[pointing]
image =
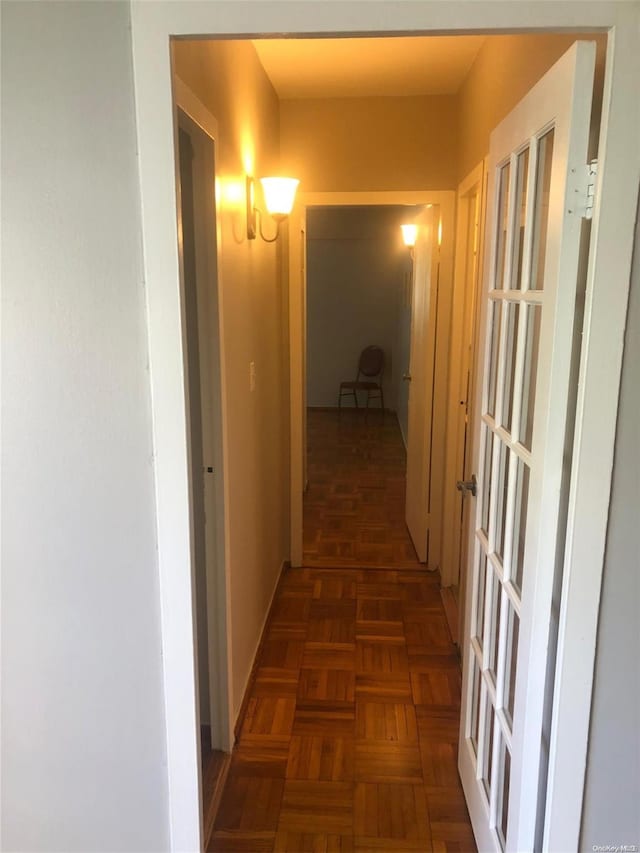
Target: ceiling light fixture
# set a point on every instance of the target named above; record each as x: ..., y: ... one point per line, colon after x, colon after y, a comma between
x: 279, y: 196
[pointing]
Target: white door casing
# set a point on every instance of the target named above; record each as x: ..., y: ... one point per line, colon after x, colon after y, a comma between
x: 420, y: 377
x: 471, y: 199
x: 537, y: 187
x: 152, y: 26
x: 211, y: 359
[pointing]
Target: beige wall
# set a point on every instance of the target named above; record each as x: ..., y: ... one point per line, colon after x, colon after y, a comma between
x: 350, y: 144
x: 504, y: 70
x: 229, y: 80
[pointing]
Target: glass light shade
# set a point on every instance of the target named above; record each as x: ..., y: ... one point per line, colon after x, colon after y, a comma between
x: 279, y: 195
x: 409, y: 234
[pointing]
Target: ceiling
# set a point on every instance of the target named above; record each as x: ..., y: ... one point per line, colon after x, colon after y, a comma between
x: 366, y: 67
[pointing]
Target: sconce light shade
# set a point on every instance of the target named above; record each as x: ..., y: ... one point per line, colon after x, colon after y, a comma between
x: 409, y: 234
x: 279, y: 195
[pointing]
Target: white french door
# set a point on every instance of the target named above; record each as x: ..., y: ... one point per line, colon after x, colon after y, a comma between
x: 537, y: 184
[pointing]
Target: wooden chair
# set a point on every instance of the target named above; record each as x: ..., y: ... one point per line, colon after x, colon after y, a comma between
x: 368, y: 378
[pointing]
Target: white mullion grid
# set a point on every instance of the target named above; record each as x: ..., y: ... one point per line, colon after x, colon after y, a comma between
x: 500, y: 432
x: 512, y: 595
x: 531, y: 297
x: 482, y: 536
x: 505, y: 730
x: 527, y: 243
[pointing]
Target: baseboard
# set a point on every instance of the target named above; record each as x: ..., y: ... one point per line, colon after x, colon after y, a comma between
x: 252, y: 675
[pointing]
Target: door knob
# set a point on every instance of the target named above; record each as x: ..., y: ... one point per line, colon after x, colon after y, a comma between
x: 468, y: 486
x: 406, y: 377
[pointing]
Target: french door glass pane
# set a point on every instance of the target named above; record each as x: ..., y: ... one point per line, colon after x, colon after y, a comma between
x: 496, y: 321
x: 489, y: 726
x: 494, y: 626
x: 486, y: 477
x: 520, y: 524
x: 476, y: 694
x: 480, y: 597
x: 503, y: 812
x: 541, y: 213
x: 530, y: 374
x: 511, y: 662
x: 513, y: 318
x: 522, y: 173
x: 500, y: 495
x: 503, y: 224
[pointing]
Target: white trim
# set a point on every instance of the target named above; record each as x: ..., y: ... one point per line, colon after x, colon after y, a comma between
x: 446, y: 201
x: 218, y: 598
x: 152, y: 26
x: 460, y: 352
x: 607, y: 294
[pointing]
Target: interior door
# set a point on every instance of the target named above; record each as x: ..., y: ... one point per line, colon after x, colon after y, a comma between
x: 197, y: 253
x: 537, y: 183
x: 420, y: 376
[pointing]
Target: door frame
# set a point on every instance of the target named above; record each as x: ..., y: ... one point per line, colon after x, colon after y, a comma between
x: 445, y: 200
x: 464, y: 299
x: 608, y: 281
x: 212, y: 373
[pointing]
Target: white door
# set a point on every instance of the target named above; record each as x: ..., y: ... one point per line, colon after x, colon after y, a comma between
x: 537, y: 189
x: 420, y: 376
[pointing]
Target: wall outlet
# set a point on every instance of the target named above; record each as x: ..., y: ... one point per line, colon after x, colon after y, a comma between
x: 252, y: 376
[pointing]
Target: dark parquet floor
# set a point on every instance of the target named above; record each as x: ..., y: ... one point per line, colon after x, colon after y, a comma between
x: 349, y: 741
x: 350, y: 738
x: 354, y: 503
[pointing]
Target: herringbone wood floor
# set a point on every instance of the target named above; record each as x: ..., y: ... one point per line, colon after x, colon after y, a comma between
x: 354, y: 503
x: 350, y: 737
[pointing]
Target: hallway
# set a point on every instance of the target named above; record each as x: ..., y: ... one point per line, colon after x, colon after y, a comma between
x: 354, y: 503
x: 349, y: 740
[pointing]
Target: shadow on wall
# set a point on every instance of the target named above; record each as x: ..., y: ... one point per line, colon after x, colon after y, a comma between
x: 357, y: 269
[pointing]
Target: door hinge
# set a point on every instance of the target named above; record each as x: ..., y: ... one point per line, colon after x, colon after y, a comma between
x: 590, y: 192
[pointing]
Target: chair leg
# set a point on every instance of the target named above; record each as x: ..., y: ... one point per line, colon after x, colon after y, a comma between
x: 382, y: 402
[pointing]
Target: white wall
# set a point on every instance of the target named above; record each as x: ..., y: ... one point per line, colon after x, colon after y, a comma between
x: 83, y: 738
x: 612, y: 789
x: 355, y: 264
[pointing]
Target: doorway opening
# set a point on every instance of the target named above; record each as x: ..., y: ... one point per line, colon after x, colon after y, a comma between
x: 358, y: 318
x: 292, y: 430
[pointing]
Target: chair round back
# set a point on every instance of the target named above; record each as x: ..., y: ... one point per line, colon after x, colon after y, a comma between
x: 371, y: 362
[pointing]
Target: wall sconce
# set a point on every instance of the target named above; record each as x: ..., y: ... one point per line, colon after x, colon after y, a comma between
x: 409, y: 236
x: 279, y: 196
